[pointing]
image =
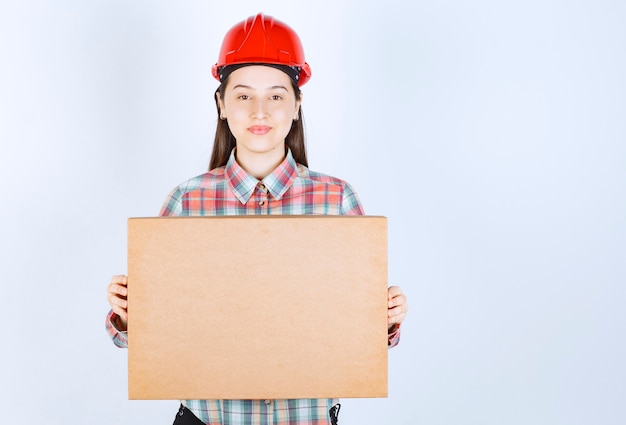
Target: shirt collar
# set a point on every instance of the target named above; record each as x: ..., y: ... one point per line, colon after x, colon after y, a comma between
x: 277, y: 182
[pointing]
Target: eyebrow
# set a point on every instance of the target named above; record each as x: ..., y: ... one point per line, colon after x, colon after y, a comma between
x: 243, y: 86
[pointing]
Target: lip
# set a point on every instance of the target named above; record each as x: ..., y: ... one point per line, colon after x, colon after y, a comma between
x: 259, y: 130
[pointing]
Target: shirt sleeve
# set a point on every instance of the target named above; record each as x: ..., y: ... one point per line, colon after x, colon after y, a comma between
x: 171, y: 206
x: 120, y: 338
x: 393, y: 336
x: 350, y: 204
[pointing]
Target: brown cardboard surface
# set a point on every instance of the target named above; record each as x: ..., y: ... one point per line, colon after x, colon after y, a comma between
x: 257, y: 307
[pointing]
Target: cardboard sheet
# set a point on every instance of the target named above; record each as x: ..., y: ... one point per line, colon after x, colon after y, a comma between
x: 257, y: 307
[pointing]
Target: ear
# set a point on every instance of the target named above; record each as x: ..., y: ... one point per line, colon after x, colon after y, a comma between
x: 298, y: 105
x: 220, y: 105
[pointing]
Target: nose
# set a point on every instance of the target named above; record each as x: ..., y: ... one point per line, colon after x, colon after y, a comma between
x: 259, y: 109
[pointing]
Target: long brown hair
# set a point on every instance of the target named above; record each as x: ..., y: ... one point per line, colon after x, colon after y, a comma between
x: 225, y: 142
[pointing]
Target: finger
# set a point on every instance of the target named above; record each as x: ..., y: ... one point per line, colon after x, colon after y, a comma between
x: 396, y: 320
x: 397, y: 300
x: 121, y: 312
x: 118, y: 301
x: 402, y: 309
x: 119, y: 279
x: 117, y: 289
x: 117, y: 304
x: 396, y: 315
x: 393, y: 291
x: 118, y: 285
x: 116, y: 296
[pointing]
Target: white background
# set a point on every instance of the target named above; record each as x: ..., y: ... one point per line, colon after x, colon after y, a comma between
x: 490, y: 133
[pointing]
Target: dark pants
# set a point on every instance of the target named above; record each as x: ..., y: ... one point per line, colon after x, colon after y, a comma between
x: 186, y: 417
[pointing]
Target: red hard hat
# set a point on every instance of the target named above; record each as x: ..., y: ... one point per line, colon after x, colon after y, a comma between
x: 263, y: 39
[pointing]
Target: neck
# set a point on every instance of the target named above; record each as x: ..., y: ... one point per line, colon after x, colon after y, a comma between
x: 260, y: 165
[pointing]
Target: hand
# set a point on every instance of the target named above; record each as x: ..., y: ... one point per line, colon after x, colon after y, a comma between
x: 116, y: 295
x: 397, y: 304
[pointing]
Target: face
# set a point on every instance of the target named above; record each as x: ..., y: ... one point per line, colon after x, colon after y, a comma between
x: 260, y: 105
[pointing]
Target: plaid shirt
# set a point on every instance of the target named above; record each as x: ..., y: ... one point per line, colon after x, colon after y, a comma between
x: 289, y: 190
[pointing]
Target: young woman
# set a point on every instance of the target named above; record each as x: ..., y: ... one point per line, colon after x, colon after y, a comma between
x: 258, y: 166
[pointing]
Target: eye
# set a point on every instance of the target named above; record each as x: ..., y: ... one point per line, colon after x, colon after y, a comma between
x: 243, y: 97
x: 276, y: 97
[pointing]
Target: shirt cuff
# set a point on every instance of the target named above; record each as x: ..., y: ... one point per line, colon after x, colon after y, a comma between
x: 120, y: 338
x: 393, y: 336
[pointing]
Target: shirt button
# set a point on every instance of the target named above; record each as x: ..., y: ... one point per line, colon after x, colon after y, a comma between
x: 262, y: 186
x: 268, y: 402
x: 261, y: 203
